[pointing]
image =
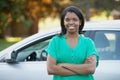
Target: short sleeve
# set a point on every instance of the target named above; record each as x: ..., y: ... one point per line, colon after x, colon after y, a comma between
x: 51, y: 49
x: 92, y: 50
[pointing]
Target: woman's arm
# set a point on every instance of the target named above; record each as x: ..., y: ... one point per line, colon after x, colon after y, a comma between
x: 87, y: 68
x: 53, y: 68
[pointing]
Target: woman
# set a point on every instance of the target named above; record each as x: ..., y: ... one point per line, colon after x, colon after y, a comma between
x: 71, y: 56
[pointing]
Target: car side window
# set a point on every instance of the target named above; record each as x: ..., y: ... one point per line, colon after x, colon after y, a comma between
x: 33, y: 52
x: 107, y: 44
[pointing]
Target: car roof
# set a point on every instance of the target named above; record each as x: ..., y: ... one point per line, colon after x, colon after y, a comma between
x: 102, y: 25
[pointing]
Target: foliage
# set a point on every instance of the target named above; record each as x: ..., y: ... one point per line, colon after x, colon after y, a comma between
x: 28, y: 12
x: 11, y: 10
x: 107, y: 4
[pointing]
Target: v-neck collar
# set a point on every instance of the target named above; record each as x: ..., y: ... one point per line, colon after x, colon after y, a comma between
x: 69, y: 45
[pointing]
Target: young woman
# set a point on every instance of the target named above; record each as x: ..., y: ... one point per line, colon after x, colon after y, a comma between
x: 71, y: 56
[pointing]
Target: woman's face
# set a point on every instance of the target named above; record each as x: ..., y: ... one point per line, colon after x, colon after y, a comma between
x: 71, y: 22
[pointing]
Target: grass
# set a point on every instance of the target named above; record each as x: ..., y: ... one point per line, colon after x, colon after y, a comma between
x: 4, y: 43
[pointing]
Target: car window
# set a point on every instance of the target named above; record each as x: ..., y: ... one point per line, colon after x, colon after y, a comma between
x: 107, y: 44
x: 33, y: 52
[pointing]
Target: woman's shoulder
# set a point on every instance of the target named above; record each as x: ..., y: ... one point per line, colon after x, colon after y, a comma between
x: 57, y: 37
x: 86, y: 38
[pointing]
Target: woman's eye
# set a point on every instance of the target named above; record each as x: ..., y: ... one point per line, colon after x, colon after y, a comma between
x: 67, y: 20
x: 75, y: 19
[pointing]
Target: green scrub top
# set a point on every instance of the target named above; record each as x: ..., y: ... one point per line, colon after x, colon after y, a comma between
x: 60, y: 50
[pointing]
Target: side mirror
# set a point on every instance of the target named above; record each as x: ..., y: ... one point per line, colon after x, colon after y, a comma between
x: 13, y: 58
x: 11, y: 61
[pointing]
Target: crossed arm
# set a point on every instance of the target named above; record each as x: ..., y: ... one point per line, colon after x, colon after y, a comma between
x: 71, y: 69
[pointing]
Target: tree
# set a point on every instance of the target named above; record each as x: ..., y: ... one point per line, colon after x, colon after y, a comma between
x: 27, y: 13
x: 11, y: 12
x: 97, y: 5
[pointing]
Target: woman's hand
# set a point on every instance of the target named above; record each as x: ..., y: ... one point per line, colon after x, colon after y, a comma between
x: 90, y: 59
x: 54, y: 68
x: 88, y: 67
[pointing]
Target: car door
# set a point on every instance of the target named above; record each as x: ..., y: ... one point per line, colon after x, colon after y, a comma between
x: 30, y: 63
x: 107, y: 45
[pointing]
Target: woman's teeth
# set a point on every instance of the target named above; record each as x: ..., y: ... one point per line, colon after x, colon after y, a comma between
x: 71, y: 27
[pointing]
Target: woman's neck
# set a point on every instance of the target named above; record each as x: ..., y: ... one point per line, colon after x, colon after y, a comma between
x: 75, y: 35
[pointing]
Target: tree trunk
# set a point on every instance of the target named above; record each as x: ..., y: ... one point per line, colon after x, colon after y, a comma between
x: 34, y: 28
x: 2, y: 33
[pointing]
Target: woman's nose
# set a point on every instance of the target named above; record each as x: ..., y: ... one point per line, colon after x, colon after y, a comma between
x: 71, y: 22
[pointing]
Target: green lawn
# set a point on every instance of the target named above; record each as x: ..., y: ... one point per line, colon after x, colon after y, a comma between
x: 4, y: 44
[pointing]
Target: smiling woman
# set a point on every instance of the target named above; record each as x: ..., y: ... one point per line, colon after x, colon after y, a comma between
x: 78, y: 58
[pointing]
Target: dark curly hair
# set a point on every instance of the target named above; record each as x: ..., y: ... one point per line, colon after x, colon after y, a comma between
x: 77, y: 11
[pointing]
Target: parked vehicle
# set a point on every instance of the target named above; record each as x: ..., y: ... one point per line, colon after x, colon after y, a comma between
x: 26, y: 60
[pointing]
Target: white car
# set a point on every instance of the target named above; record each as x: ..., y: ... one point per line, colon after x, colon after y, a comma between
x: 26, y: 60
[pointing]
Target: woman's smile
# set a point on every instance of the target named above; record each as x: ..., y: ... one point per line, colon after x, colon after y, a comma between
x: 71, y: 27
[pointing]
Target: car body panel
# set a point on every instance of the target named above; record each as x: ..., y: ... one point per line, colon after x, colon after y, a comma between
x: 24, y: 71
x: 108, y: 70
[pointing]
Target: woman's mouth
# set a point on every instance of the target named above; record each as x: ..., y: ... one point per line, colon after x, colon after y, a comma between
x: 71, y: 27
